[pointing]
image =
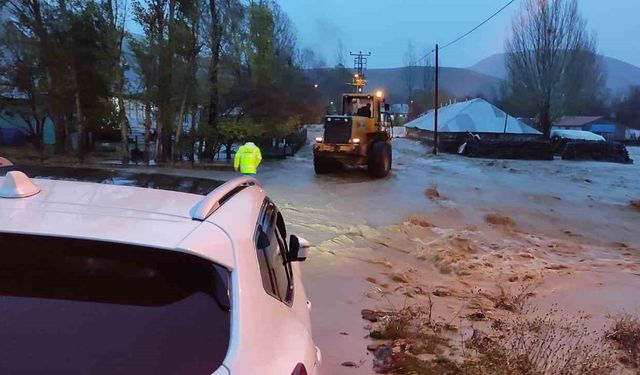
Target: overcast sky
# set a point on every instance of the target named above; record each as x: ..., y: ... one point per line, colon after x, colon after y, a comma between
x: 385, y: 27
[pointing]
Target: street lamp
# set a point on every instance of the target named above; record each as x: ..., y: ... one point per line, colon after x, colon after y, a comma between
x: 315, y: 85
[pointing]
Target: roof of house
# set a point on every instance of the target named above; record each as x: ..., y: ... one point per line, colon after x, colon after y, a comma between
x: 576, y: 120
x: 475, y: 116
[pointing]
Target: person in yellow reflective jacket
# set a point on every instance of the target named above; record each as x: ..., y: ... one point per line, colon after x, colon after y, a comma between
x: 247, y: 159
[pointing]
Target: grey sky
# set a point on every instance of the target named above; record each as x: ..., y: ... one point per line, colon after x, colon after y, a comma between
x: 385, y: 27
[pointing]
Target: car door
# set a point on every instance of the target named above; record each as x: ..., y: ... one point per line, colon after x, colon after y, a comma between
x: 280, y: 282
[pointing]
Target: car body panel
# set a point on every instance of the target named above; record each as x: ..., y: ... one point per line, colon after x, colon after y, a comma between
x: 275, y: 345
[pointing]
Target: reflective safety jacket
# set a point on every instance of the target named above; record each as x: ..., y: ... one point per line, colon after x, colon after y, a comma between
x: 248, y: 158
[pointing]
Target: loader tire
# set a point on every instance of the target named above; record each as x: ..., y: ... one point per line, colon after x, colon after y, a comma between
x: 379, y: 163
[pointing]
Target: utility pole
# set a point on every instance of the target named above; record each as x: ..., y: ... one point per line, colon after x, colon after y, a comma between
x: 360, y: 65
x: 436, y: 104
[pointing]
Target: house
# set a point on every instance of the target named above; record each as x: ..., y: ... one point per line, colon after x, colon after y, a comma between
x: 475, y: 116
x: 609, y: 129
x: 15, y: 130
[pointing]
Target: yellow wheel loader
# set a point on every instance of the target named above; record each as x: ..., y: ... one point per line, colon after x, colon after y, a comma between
x: 360, y: 135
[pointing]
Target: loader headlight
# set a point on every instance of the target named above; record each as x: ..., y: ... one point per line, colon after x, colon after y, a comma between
x: 355, y: 140
x: 319, y: 139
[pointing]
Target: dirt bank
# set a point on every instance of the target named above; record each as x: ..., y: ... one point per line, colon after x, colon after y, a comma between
x: 473, y: 275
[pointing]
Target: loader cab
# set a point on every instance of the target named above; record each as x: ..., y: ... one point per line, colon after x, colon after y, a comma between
x: 353, y: 105
x: 378, y: 109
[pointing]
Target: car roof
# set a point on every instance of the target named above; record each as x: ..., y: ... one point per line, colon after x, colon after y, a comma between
x: 122, y: 214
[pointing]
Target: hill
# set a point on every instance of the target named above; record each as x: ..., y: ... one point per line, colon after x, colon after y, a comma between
x: 456, y: 82
x: 620, y: 75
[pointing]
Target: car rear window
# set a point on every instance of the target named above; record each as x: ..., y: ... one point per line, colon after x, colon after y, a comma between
x: 85, y: 307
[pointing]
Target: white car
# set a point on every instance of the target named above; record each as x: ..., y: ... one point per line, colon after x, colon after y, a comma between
x: 104, y: 279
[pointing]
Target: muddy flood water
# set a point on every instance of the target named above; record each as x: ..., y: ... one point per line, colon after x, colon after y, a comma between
x: 469, y: 230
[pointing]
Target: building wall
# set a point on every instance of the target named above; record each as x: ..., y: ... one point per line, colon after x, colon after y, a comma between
x: 616, y: 133
x: 13, y: 121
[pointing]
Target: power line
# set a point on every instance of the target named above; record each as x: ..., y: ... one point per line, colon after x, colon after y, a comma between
x: 468, y: 32
x: 480, y: 25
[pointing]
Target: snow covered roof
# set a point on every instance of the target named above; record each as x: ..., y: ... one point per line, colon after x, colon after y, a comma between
x: 582, y: 135
x: 476, y: 116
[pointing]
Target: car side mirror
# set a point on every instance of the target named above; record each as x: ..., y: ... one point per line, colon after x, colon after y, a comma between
x: 298, y: 249
x: 263, y: 239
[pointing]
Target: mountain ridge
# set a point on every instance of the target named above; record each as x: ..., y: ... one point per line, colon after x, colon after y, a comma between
x: 620, y: 75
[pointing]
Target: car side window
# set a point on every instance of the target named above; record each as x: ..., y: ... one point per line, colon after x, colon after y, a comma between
x: 277, y: 277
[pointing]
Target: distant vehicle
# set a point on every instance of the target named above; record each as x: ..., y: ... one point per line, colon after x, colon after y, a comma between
x: 104, y: 279
x: 359, y: 136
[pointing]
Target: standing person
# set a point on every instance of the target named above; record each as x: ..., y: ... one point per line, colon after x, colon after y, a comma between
x: 364, y: 111
x: 247, y: 159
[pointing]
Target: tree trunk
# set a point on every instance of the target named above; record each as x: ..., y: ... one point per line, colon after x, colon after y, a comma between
x: 214, y: 68
x: 81, y: 127
x: 122, y: 114
x: 61, y: 139
x: 228, y: 149
x: 192, y: 133
x: 164, y: 128
x: 122, y: 123
x: 180, y: 124
x: 39, y: 136
x: 147, y: 130
x: 545, y: 122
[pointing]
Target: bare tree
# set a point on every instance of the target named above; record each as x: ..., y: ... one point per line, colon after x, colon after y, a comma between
x: 549, y: 44
x: 428, y: 73
x: 341, y: 54
x: 409, y: 68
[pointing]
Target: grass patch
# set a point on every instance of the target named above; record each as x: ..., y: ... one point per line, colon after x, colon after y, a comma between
x: 499, y: 219
x: 514, y: 302
x: 625, y: 334
x: 540, y: 346
x: 396, y: 327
